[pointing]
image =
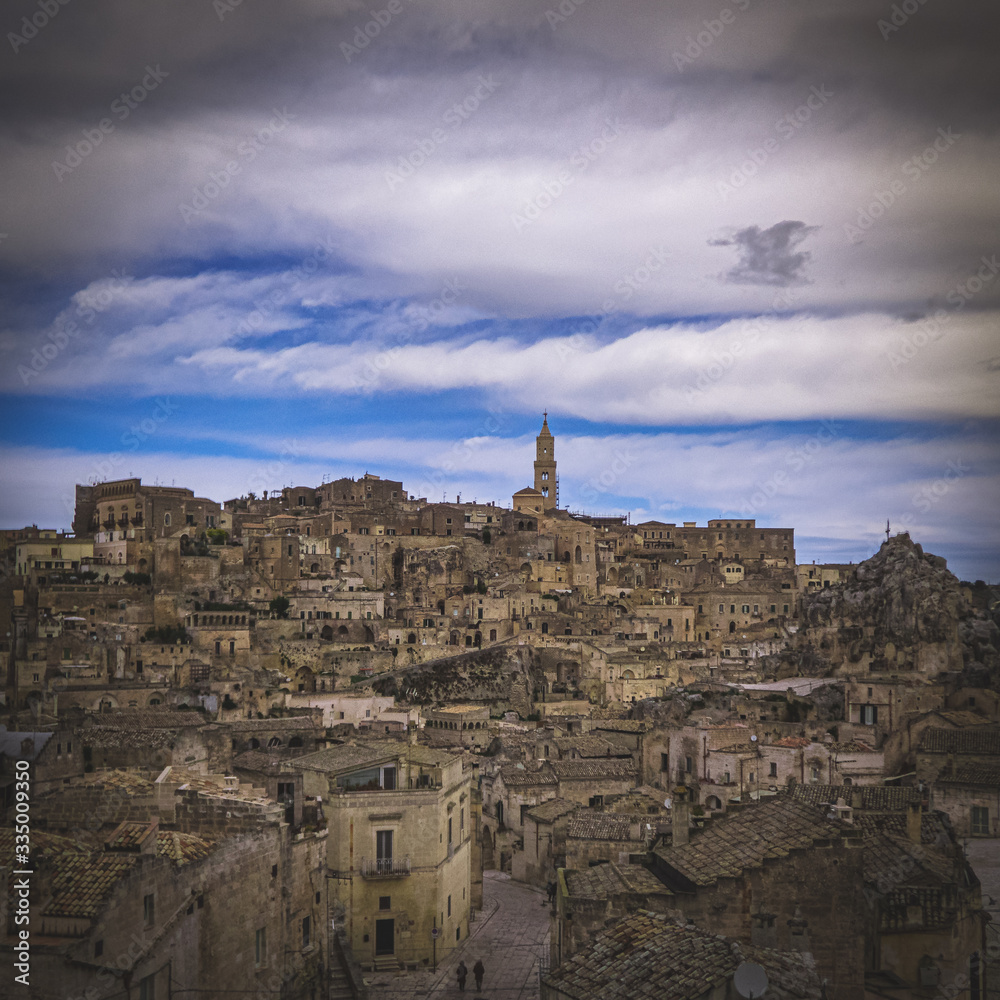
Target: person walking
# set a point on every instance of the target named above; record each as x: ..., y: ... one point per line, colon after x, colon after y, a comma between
x: 461, y: 972
x: 479, y: 970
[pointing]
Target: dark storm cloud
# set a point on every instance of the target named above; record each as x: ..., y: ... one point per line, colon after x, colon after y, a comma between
x: 769, y: 256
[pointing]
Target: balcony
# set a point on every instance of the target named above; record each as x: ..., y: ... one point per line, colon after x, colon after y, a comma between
x: 385, y: 867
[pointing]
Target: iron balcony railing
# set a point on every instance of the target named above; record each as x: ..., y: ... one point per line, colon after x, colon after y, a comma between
x: 385, y: 867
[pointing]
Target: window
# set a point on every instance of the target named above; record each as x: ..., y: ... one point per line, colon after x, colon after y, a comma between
x: 383, y: 848
x: 99, y: 948
x: 166, y: 520
x: 980, y: 821
x: 147, y: 987
x: 449, y: 838
x: 148, y: 909
x: 869, y: 715
x: 687, y: 764
x: 774, y: 770
x: 306, y: 931
x: 664, y: 762
x: 449, y: 906
x: 260, y: 947
x: 385, y: 902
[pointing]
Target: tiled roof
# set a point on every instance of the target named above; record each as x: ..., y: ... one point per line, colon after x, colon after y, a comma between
x: 738, y: 748
x: 348, y: 755
x: 258, y: 760
x: 148, y: 718
x: 181, y: 848
x: 127, y: 739
x: 954, y: 773
x: 571, y: 770
x: 746, y: 838
x: 647, y: 956
x: 296, y: 723
x: 792, y: 742
x: 590, y: 745
x: 552, y: 809
x: 514, y: 774
x: 82, y: 882
x: 852, y: 746
x: 590, y: 825
x: 964, y: 718
x: 874, y: 798
x: 970, y: 741
x: 603, y: 881
x: 623, y: 725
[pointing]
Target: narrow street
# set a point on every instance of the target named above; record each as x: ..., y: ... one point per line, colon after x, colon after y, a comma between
x: 510, y: 936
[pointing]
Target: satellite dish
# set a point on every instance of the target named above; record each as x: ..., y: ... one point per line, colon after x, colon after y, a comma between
x: 750, y: 980
x: 753, y: 739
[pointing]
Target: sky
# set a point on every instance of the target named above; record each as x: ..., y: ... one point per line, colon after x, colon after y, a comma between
x: 745, y: 255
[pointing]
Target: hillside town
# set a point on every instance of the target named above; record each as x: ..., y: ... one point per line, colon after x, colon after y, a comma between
x: 234, y: 728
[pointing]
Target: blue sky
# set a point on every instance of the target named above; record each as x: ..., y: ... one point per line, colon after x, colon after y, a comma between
x: 748, y: 263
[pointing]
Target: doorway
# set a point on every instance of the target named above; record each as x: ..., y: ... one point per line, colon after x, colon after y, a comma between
x: 385, y: 937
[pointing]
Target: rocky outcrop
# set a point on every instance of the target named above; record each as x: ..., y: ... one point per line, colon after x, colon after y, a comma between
x: 901, y: 611
x: 503, y: 677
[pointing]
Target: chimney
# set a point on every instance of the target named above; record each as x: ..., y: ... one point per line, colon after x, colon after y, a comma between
x: 148, y: 843
x: 913, y: 820
x: 680, y: 817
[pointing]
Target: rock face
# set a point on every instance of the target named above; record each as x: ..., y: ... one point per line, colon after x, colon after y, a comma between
x: 504, y: 677
x: 901, y: 611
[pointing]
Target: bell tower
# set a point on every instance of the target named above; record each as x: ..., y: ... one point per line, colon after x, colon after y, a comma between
x: 545, y: 465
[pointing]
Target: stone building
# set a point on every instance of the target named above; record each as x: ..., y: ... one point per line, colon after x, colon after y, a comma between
x: 201, y: 885
x: 649, y: 951
x: 400, y: 850
x: 961, y: 767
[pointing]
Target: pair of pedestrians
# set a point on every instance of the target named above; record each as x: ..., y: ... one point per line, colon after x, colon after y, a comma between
x: 478, y: 970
